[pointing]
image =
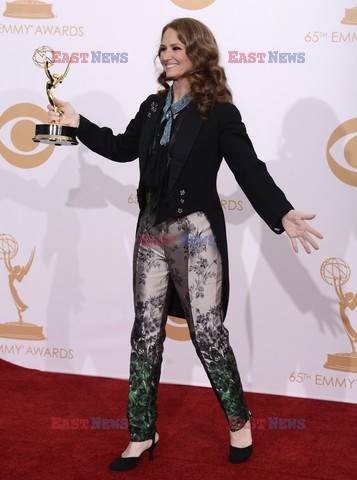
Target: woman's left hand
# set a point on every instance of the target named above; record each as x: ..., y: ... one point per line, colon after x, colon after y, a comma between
x: 297, y: 229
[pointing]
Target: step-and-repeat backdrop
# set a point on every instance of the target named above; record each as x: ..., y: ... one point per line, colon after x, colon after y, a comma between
x: 68, y: 216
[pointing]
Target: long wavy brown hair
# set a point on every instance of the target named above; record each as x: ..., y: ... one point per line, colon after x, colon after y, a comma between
x: 207, y: 78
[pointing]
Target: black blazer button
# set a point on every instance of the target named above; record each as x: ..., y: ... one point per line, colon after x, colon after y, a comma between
x: 179, y: 210
x: 182, y: 192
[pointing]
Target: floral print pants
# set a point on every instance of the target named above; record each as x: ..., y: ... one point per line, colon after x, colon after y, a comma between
x: 194, y: 267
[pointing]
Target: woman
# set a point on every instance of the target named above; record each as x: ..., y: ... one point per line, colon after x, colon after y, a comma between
x: 181, y: 135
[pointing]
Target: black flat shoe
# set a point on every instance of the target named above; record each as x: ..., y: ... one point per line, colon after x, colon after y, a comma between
x: 238, y: 455
x: 127, y: 463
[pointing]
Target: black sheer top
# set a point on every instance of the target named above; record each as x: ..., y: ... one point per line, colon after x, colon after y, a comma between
x: 157, y: 170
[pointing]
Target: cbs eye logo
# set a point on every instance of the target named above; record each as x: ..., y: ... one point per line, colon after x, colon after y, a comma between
x: 20, y: 133
x: 193, y: 4
x: 178, y: 329
x: 347, y: 174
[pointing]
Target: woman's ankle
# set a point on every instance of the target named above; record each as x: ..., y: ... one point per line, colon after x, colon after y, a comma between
x: 243, y: 437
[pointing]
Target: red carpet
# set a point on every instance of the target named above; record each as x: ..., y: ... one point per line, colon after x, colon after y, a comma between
x: 194, y: 439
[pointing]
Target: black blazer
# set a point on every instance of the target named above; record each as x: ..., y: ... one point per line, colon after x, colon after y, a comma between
x: 197, y: 155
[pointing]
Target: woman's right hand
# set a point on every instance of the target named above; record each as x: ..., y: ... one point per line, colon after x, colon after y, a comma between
x: 69, y: 117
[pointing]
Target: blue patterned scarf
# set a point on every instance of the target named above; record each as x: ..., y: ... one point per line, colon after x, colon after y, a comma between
x: 170, y: 110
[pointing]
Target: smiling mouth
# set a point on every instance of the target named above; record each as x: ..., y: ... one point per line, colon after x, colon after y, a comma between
x: 169, y: 67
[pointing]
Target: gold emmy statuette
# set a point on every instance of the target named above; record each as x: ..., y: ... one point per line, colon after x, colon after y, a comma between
x: 53, y: 133
x: 336, y: 272
x: 20, y: 329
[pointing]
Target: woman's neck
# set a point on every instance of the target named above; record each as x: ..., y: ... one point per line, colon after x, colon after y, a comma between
x: 179, y: 88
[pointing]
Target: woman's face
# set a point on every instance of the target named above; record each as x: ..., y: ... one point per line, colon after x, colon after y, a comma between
x: 173, y: 56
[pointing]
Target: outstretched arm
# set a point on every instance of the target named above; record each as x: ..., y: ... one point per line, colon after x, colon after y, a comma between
x: 268, y: 200
x: 251, y: 173
x: 123, y: 147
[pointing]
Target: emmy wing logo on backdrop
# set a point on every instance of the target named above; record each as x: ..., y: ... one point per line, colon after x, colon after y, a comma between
x: 345, y: 173
x: 193, y: 4
x: 28, y: 9
x: 350, y: 17
x: 336, y: 272
x: 21, y: 136
x: 20, y: 329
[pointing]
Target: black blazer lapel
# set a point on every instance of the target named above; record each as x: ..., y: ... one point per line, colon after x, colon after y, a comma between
x: 185, y: 139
